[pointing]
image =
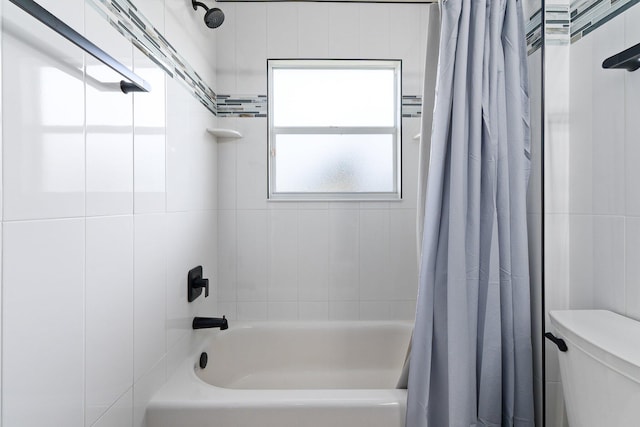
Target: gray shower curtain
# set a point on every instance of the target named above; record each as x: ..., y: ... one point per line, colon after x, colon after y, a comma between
x: 471, y: 357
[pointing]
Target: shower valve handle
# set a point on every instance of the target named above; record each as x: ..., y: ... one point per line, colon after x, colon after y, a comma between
x: 202, y: 283
x: 195, y: 283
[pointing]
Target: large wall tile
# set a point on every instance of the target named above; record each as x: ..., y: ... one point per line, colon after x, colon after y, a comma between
x: 344, y: 310
x: 313, y: 310
x: 282, y: 21
x: 608, y: 122
x: 252, y: 256
x: 344, y: 254
x: 283, y: 255
x: 191, y: 152
x: 252, y: 310
x: 43, y: 131
x: 557, y: 129
x: 344, y: 30
x: 313, y: 258
x: 251, y: 172
x: 581, y: 118
x: 227, y: 165
x: 43, y: 320
x: 251, y: 48
x: 227, y: 261
x: 109, y: 312
x: 631, y: 122
x: 109, y: 121
x: 375, y: 271
x: 149, y: 291
x: 597, y: 262
x: 403, y: 262
x: 120, y: 414
x: 375, y: 37
x: 149, y: 139
x: 145, y: 388
x: 226, y: 52
x: 313, y: 30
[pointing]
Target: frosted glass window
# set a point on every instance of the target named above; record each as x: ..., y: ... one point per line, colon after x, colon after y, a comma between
x: 334, y: 129
x: 334, y: 163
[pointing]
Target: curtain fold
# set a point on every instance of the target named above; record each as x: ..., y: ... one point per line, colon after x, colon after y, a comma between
x: 471, y: 357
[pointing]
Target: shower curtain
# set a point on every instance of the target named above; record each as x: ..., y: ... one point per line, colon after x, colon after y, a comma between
x: 471, y: 357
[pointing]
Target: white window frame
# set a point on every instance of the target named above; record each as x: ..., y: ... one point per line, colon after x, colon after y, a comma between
x: 395, y: 130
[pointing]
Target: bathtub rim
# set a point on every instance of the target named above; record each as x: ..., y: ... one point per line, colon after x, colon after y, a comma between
x: 185, y: 389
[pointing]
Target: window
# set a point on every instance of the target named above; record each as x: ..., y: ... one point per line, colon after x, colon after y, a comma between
x: 334, y: 129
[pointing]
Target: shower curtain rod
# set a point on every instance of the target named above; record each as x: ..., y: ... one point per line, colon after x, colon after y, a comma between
x: 135, y: 83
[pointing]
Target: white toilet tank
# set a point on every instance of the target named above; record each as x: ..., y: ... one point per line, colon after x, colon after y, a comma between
x: 601, y: 369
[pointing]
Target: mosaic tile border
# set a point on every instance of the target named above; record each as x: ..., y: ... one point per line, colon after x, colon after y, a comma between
x: 411, y: 106
x: 128, y: 21
x: 588, y: 15
x: 124, y: 16
x: 557, y: 24
x: 256, y: 106
x: 241, y: 105
x: 533, y: 29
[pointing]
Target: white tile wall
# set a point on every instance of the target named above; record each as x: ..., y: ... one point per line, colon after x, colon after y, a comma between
x: 313, y: 260
x: 604, y: 202
x: 150, y: 258
x: 109, y: 126
x: 43, y: 322
x: 109, y: 304
x: 120, y: 414
x: 108, y: 200
x: 599, y: 239
x: 47, y: 126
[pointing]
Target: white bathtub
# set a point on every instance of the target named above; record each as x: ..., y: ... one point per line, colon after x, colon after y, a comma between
x: 324, y: 374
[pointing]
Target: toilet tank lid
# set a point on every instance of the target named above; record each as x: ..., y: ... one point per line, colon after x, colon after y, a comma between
x: 609, y: 337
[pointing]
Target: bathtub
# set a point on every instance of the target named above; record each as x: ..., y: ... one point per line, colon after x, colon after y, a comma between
x: 297, y: 374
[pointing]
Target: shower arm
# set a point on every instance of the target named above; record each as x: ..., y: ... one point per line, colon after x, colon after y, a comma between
x: 195, y: 5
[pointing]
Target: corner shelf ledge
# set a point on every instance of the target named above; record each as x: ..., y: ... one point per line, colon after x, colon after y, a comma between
x: 225, y: 133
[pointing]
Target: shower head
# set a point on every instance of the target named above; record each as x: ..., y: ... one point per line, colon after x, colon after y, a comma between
x: 213, y: 18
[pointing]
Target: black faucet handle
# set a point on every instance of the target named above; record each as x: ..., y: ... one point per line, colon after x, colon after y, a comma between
x: 195, y: 283
x: 202, y: 283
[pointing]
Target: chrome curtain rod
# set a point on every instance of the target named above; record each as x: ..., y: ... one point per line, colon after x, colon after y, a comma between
x: 135, y: 83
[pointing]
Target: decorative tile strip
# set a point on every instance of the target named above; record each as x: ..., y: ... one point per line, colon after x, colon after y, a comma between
x: 411, y: 106
x: 256, y: 105
x: 533, y: 27
x: 241, y: 105
x: 128, y: 21
x: 587, y: 15
x: 557, y: 24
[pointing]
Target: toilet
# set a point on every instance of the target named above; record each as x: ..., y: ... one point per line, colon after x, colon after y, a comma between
x: 600, y: 369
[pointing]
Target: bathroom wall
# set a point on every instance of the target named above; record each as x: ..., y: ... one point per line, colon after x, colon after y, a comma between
x: 592, y: 201
x: 313, y: 260
x: 107, y: 201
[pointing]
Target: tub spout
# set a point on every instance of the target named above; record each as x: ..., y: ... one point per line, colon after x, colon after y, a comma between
x: 210, y: 322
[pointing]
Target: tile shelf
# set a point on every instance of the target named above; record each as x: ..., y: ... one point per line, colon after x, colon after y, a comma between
x: 225, y: 133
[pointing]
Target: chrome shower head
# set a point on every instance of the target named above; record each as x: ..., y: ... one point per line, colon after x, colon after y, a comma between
x: 213, y: 18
